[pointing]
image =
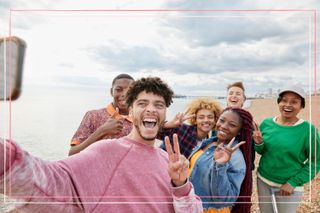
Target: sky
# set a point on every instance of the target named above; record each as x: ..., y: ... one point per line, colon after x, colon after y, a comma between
x: 196, y: 52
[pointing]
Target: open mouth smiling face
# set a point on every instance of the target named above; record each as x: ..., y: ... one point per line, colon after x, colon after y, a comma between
x: 228, y: 126
x: 148, y: 114
x: 118, y: 92
x: 205, y: 120
x: 290, y: 105
x: 235, y: 97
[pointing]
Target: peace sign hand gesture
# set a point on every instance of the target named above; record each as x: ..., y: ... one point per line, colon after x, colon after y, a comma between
x: 178, y: 120
x: 223, y: 154
x: 178, y: 164
x: 256, y: 135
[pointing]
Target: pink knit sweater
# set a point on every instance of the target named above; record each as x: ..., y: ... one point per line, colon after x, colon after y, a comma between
x: 117, y: 175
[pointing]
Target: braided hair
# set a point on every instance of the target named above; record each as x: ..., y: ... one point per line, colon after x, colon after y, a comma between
x: 243, y: 203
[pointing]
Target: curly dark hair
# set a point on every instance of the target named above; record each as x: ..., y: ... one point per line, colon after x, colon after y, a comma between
x: 150, y: 84
x: 243, y: 203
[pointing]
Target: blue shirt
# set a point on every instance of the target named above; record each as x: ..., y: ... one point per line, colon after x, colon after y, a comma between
x: 218, y: 185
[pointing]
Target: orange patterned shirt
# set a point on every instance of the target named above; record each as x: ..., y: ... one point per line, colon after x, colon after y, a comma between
x: 94, y: 119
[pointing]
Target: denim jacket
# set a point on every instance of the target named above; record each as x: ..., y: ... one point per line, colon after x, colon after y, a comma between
x: 218, y: 185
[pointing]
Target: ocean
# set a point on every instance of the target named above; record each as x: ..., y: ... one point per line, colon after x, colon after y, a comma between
x: 44, y: 121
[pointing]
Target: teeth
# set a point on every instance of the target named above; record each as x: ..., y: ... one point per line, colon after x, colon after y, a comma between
x: 149, y: 124
x: 149, y: 120
x: 287, y: 110
x: 222, y: 132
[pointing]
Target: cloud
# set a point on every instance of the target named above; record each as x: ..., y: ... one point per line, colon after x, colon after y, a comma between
x: 5, y: 5
x: 80, y: 81
x: 21, y: 18
x: 240, y: 5
x: 130, y: 59
x: 212, y: 51
x: 255, y: 56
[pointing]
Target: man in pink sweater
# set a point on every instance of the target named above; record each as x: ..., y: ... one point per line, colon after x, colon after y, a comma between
x: 128, y: 174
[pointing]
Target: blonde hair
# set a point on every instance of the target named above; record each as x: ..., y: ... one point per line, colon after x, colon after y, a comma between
x: 203, y: 103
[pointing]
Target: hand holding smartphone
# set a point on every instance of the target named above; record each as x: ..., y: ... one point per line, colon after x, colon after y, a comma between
x: 12, y: 51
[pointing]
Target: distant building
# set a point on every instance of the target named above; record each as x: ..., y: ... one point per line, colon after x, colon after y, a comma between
x: 270, y: 93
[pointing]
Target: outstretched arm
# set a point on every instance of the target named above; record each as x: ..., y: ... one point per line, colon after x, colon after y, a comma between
x: 30, y: 179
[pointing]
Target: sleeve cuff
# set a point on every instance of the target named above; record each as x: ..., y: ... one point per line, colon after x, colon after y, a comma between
x: 258, y: 144
x: 183, y: 190
x: 75, y: 142
x: 294, y: 185
x: 220, y: 166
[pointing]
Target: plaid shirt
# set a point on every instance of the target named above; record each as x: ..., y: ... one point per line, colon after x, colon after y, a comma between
x: 187, y: 136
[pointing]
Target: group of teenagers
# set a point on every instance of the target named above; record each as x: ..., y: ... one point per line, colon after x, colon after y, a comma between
x: 203, y: 163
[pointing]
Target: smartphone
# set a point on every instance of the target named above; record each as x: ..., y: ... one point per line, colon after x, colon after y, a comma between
x: 12, y: 53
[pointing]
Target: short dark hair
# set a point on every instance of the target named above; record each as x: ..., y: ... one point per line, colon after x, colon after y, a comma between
x: 150, y: 84
x: 236, y: 84
x: 303, y: 101
x: 121, y: 76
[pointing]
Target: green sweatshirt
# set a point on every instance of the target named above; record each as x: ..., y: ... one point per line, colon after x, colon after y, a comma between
x: 288, y: 152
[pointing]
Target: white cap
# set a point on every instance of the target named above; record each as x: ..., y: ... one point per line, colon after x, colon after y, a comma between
x: 295, y: 89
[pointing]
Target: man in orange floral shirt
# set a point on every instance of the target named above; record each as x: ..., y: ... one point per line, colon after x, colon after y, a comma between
x: 106, y: 123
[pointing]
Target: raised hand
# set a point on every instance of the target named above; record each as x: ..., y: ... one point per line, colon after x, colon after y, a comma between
x: 256, y: 135
x: 223, y: 154
x: 113, y: 125
x: 178, y: 120
x: 178, y: 164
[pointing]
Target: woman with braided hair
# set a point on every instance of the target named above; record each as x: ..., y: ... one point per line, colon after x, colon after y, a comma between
x: 219, y: 170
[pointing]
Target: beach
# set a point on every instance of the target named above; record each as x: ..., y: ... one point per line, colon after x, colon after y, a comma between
x: 263, y: 108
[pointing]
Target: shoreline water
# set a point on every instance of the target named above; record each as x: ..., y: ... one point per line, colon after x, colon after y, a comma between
x: 260, y: 109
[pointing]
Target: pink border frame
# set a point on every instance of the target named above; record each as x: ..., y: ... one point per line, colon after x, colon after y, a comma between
x: 313, y: 12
